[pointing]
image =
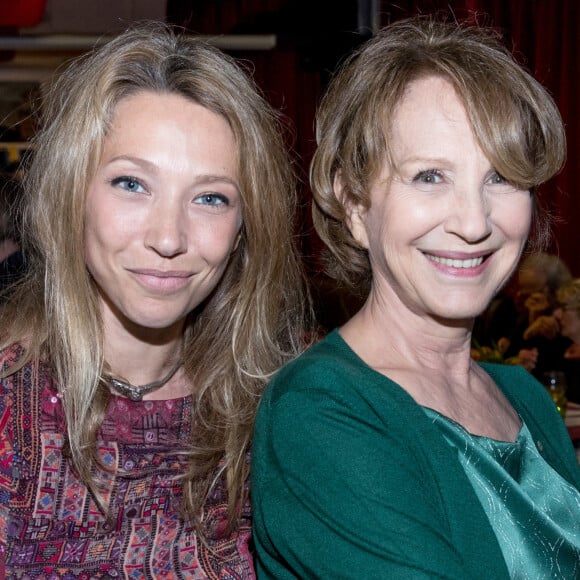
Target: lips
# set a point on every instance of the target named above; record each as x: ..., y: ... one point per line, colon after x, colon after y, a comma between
x: 162, y: 273
x: 162, y: 281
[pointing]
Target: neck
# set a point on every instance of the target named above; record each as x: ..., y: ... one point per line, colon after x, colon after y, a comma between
x: 156, y: 369
x: 149, y: 374
x: 137, y: 354
x: 389, y: 337
x: 141, y: 355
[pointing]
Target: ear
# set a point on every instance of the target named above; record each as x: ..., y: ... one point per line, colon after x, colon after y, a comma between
x: 355, y: 212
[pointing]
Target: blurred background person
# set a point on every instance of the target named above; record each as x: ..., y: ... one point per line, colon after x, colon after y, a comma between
x: 522, y: 319
x: 567, y: 313
x: 540, y: 275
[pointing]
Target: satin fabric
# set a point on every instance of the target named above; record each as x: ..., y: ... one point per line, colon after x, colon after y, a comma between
x: 533, y: 511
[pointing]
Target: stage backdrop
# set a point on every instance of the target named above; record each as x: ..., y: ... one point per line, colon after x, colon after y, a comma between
x: 314, y: 35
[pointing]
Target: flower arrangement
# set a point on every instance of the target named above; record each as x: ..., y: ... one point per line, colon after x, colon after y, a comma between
x: 494, y: 353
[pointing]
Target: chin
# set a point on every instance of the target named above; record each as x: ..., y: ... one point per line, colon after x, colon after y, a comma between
x: 458, y: 311
x: 151, y: 321
x: 456, y: 321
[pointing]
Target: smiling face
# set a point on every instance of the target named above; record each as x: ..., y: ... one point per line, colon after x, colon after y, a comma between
x: 163, y: 211
x: 444, y: 231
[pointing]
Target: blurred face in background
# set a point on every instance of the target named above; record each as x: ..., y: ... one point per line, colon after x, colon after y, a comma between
x: 568, y: 315
x: 530, y: 282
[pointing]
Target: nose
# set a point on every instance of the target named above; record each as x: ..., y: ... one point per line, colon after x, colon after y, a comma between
x: 468, y: 216
x: 166, y: 230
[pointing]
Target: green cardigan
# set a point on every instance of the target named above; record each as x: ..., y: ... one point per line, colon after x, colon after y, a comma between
x: 352, y: 480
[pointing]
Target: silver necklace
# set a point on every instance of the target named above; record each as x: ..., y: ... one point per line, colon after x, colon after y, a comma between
x: 136, y: 393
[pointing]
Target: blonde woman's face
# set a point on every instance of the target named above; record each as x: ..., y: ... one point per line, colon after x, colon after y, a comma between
x: 163, y: 211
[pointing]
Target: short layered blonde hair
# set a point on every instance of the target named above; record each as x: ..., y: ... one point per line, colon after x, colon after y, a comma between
x: 514, y: 119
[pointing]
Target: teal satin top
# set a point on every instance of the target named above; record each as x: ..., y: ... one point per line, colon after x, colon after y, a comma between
x: 534, y: 512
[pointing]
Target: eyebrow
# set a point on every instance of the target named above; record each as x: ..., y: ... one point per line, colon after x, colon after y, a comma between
x: 421, y: 159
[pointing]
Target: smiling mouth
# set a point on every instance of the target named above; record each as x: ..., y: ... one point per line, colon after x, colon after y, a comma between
x: 159, y: 281
x: 455, y: 263
x: 162, y: 273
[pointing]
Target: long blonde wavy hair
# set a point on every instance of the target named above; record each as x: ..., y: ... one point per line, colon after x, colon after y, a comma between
x: 253, y: 321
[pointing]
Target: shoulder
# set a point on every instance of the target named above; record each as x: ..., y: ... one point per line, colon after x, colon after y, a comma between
x: 537, y: 410
x: 329, y: 366
x: 329, y: 389
x: 10, y: 362
x: 519, y: 386
x: 23, y: 377
x: 28, y: 408
x: 524, y: 392
x: 15, y: 422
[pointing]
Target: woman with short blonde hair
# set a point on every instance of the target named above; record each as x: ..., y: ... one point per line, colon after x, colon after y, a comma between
x: 385, y: 450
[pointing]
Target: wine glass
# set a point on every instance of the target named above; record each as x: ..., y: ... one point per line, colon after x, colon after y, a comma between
x: 555, y: 384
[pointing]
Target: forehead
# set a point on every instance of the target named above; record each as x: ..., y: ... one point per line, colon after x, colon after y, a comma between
x: 170, y: 127
x: 429, y: 112
x: 144, y: 106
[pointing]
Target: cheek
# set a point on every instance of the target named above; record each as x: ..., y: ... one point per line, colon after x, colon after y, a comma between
x: 109, y: 223
x: 216, y: 241
x: 106, y: 234
x: 516, y: 217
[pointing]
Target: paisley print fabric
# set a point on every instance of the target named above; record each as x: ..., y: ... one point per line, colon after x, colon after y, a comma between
x: 50, y: 526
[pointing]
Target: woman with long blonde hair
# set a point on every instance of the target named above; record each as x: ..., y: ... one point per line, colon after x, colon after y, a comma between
x: 163, y: 289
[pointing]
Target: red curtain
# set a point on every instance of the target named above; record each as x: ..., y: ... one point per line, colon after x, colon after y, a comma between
x: 545, y: 37
x: 543, y: 33
x: 19, y: 13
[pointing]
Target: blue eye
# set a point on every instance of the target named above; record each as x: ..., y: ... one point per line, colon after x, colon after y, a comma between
x: 499, y: 183
x: 212, y: 199
x: 128, y: 183
x: 497, y: 179
x: 430, y: 176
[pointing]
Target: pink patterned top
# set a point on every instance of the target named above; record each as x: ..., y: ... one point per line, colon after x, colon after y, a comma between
x: 51, y: 528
